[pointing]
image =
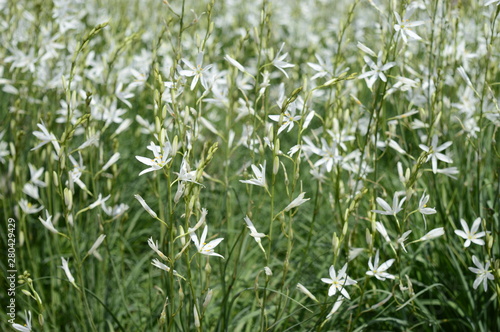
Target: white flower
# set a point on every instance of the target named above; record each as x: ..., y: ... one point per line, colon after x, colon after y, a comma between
x: 35, y: 175
x: 29, y: 208
x: 289, y: 118
x: 114, y: 158
x: 31, y: 190
x: 483, y: 275
x: 98, y: 201
x: 379, y: 271
x: 253, y: 233
x: 422, y: 205
x: 146, y: 206
x: 404, y: 27
x: 259, y: 176
x: 304, y: 290
x: 163, y: 267
x: 329, y: 155
x: 381, y: 229
x: 65, y: 267
x: 423, y: 209
x: 161, y: 157
x: 160, y: 265
x: 450, y: 172
x: 77, y: 171
x: 235, y: 63
x: 24, y: 328
x: 492, y: 2
x: 296, y: 202
x: 48, y: 223
x: 471, y: 235
x: 45, y: 136
x: 436, y: 232
x: 279, y: 62
x: 390, y: 210
x: 377, y: 70
x: 401, y: 240
x: 97, y: 243
x: 156, y: 249
x: 335, y: 307
x: 435, y: 154
x: 197, y: 71
x: 114, y: 211
x: 205, y: 248
x: 338, y: 282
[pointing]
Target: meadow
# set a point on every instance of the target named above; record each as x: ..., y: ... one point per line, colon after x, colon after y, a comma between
x: 223, y: 165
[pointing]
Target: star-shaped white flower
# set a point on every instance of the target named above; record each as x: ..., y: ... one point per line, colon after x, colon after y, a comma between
x: 377, y: 70
x: 338, y: 282
x: 379, y: 271
x: 24, y: 328
x: 390, y: 210
x: 471, y: 235
x: 404, y: 28
x: 483, y: 275
x: 45, y: 136
x: 435, y: 152
x: 205, y: 248
x: 161, y: 158
x: 279, y: 62
x: 259, y: 176
x: 198, y: 71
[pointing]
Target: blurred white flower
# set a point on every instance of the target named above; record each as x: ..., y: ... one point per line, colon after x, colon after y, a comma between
x: 259, y: 176
x: 434, y: 152
x: 146, y: 206
x: 304, y: 290
x: 404, y: 27
x: 423, y: 209
x: 377, y: 70
x: 436, y: 232
x: 401, y: 240
x: 48, y: 223
x: 390, y: 210
x: 24, y: 328
x: 335, y: 307
x: 483, y: 275
x: 45, y: 136
x: 296, y: 202
x: 381, y: 229
x: 65, y: 267
x: 98, y: 201
x: 114, y: 158
x: 279, y: 62
x: 492, y: 2
x: 198, y: 71
x: 154, y: 246
x: 253, y: 233
x: 29, y: 208
x: 97, y: 243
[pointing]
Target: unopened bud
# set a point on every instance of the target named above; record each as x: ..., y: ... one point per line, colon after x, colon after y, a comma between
x: 208, y: 298
x: 68, y: 198
x: 55, y: 179
x: 276, y: 165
